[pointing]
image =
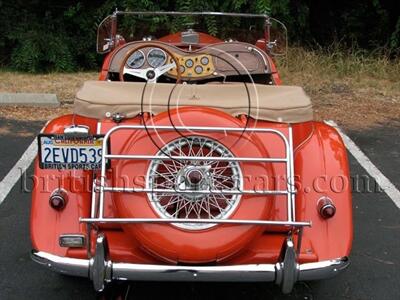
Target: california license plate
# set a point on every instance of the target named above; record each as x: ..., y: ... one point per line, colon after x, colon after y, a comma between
x: 62, y: 152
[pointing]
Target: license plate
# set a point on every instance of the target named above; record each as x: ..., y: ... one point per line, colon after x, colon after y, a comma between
x: 61, y: 152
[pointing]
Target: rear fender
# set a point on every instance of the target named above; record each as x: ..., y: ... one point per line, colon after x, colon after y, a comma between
x: 46, y: 223
x: 321, y: 169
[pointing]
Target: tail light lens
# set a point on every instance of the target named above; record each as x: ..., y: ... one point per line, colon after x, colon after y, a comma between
x: 58, y: 199
x: 326, y: 208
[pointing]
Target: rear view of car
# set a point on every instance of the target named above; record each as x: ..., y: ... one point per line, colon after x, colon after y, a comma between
x: 188, y: 161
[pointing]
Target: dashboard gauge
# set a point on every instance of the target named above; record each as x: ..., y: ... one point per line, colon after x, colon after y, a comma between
x: 182, y: 69
x: 156, y: 57
x: 204, y: 60
x: 136, y: 60
x: 198, y: 69
x: 189, y: 63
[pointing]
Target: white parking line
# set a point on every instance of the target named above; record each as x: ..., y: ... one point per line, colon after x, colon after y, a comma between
x: 366, y: 163
x: 19, y: 168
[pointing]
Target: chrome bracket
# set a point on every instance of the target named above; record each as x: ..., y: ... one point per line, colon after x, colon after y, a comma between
x: 100, y: 266
x: 287, y: 271
x: 76, y: 131
x: 118, y: 117
x: 271, y: 45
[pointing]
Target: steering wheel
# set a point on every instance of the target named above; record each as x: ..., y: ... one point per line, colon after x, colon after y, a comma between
x: 150, y: 74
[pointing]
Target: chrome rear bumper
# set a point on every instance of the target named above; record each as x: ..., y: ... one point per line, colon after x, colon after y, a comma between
x: 101, y: 270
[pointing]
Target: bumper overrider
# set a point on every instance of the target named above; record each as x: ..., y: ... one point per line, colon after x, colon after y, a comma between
x: 102, y: 270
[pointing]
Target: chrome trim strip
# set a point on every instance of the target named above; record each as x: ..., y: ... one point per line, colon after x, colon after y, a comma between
x: 198, y: 221
x: 291, y: 182
x: 181, y: 13
x: 198, y: 128
x: 193, y: 158
x: 266, y: 64
x: 177, y: 191
x: 63, y: 265
x: 237, y: 273
x: 240, y: 273
x: 93, y: 198
x: 323, y: 269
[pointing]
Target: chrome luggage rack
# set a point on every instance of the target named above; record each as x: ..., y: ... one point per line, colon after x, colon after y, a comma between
x: 100, y: 186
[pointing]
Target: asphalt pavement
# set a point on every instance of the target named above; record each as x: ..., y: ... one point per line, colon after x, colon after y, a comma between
x: 373, y: 274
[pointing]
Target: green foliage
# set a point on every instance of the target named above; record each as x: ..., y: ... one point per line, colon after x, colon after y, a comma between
x: 212, y: 27
x: 40, y: 36
x: 395, y: 36
x: 48, y: 40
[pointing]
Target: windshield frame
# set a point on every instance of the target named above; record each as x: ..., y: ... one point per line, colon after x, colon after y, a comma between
x: 111, y: 40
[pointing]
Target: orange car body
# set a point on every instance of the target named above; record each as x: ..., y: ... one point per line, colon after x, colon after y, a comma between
x: 326, y: 174
x: 321, y: 171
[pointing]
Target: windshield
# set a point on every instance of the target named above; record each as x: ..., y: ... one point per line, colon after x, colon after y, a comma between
x: 134, y: 26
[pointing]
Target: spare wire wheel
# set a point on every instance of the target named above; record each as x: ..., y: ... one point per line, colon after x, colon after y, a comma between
x: 198, y: 178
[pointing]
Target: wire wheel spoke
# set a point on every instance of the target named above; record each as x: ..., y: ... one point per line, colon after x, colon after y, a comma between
x: 200, y: 175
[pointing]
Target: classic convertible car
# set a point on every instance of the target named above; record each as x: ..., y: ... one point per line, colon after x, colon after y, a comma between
x: 188, y: 160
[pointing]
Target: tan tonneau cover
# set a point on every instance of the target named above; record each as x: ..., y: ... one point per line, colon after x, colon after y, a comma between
x: 287, y: 104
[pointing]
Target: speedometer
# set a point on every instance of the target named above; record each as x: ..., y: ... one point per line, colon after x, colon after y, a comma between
x: 136, y: 60
x: 156, y: 57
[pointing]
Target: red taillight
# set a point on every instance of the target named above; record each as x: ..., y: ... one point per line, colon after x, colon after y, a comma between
x: 58, y: 199
x: 326, y: 208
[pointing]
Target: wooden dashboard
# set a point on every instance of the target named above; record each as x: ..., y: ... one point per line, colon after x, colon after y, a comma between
x: 216, y: 60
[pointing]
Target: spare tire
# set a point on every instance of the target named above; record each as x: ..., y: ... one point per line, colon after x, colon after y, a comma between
x: 183, y: 242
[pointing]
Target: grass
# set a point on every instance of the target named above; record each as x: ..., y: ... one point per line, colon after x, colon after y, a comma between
x: 354, y: 88
x: 64, y: 85
x: 351, y: 87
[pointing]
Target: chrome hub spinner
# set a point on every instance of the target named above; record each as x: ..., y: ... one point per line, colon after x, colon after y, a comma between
x: 194, y: 178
